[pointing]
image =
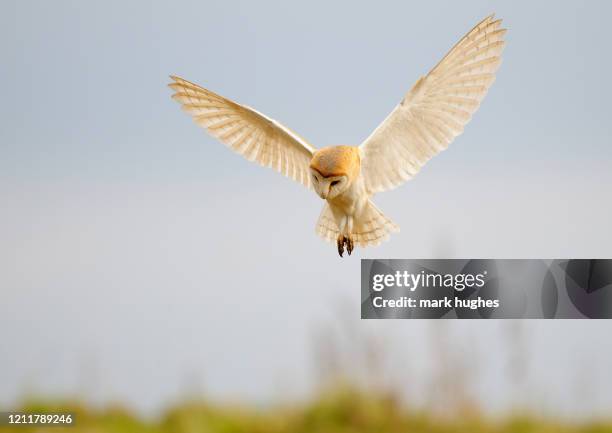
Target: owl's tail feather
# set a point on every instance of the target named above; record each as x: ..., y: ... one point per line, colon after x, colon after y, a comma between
x: 326, y: 225
x: 370, y: 227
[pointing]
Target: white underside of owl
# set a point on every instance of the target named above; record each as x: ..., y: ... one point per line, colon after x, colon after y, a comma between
x: 353, y: 216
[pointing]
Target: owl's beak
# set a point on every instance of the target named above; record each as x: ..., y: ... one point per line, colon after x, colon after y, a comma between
x: 325, y: 192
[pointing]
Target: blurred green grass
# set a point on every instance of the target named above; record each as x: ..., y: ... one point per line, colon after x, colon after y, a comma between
x: 346, y: 410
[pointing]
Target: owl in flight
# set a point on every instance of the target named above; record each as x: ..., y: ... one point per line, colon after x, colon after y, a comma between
x: 429, y: 117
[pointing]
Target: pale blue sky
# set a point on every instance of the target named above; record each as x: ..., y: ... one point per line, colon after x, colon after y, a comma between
x: 137, y: 251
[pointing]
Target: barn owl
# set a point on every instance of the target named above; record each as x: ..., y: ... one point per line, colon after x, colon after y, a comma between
x: 431, y: 114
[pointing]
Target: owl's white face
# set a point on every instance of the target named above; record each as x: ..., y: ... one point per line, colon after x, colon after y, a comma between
x: 328, y: 187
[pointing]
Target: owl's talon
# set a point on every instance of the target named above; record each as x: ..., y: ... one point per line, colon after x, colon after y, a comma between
x: 349, y: 245
x: 340, y: 243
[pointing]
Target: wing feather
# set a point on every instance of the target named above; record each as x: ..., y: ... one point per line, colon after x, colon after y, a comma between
x: 246, y: 131
x: 435, y: 110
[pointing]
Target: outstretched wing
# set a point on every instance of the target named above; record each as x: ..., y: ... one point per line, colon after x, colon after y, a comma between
x: 434, y: 111
x: 246, y: 131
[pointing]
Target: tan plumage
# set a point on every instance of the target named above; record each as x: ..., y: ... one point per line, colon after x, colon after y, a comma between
x: 337, y: 161
x: 428, y: 118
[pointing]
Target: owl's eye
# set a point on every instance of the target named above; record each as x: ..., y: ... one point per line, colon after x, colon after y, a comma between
x: 335, y: 182
x: 315, y: 179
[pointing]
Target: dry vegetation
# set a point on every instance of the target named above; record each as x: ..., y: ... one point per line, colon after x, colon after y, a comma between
x: 343, y: 411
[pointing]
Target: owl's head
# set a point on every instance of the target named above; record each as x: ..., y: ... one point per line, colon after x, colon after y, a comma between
x: 333, y: 169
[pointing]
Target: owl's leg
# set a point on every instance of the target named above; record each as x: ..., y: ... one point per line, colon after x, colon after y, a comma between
x: 341, y: 238
x: 344, y: 238
x: 349, y: 231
